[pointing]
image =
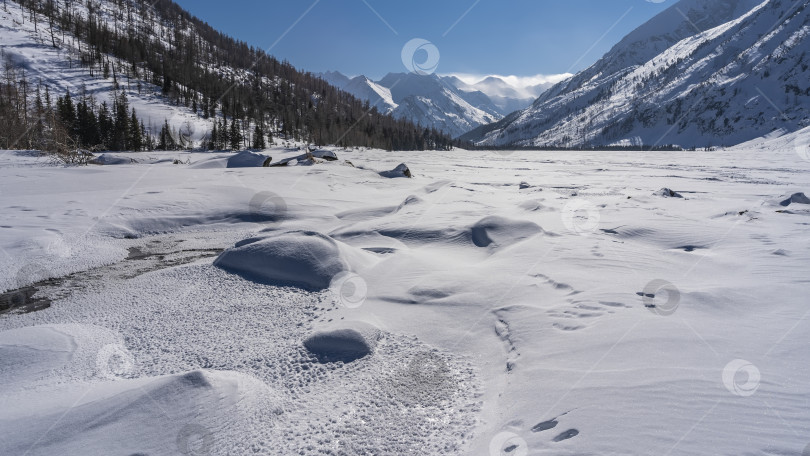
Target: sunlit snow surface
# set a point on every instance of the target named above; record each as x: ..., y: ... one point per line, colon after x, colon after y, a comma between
x: 508, y: 295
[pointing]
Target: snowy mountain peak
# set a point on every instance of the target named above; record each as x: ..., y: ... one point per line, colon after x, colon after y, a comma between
x: 698, y: 74
x: 429, y: 100
x: 335, y: 78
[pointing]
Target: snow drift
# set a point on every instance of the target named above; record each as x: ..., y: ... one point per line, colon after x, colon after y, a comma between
x: 347, y: 342
x: 301, y: 258
x: 304, y: 259
x: 501, y: 231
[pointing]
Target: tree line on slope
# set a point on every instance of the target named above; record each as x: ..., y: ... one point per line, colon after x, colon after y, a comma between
x: 30, y: 118
x: 143, y: 43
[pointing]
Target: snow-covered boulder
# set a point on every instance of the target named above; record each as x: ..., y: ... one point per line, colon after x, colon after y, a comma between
x: 796, y: 198
x: 110, y: 159
x: 304, y: 259
x: 667, y: 193
x: 308, y: 159
x: 324, y: 154
x: 348, y: 342
x: 248, y: 159
x: 400, y: 171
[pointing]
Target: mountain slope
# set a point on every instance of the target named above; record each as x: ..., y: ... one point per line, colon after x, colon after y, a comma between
x: 177, y: 69
x: 699, y: 74
x: 364, y: 89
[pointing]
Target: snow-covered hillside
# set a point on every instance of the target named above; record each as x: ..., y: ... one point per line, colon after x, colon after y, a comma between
x: 29, y: 46
x: 173, y: 68
x: 702, y: 73
x: 444, y: 102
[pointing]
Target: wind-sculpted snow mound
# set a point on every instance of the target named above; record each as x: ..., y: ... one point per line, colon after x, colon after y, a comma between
x: 303, y: 259
x: 200, y: 410
x: 34, y: 355
x: 501, y: 231
x: 347, y: 342
x: 300, y: 258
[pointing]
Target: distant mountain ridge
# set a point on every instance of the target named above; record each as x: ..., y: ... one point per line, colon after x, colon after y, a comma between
x: 443, y: 102
x: 701, y: 73
x: 506, y: 97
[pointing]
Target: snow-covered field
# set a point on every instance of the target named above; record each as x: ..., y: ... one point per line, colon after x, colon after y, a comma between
x: 495, y: 304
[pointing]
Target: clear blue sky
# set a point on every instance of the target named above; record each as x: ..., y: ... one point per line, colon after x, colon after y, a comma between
x: 507, y: 37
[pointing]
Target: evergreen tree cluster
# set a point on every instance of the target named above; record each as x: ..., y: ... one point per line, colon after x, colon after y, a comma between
x: 248, y: 94
x: 31, y: 119
x: 101, y: 127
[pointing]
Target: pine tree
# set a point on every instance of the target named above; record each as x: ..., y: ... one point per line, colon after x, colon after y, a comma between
x: 235, y: 135
x: 214, y: 142
x: 258, y: 138
x: 66, y: 110
x: 135, y: 128
x: 166, y: 140
x: 224, y: 134
x: 121, y: 133
x: 105, y: 126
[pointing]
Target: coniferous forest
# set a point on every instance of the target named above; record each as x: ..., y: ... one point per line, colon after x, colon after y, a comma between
x: 249, y: 96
